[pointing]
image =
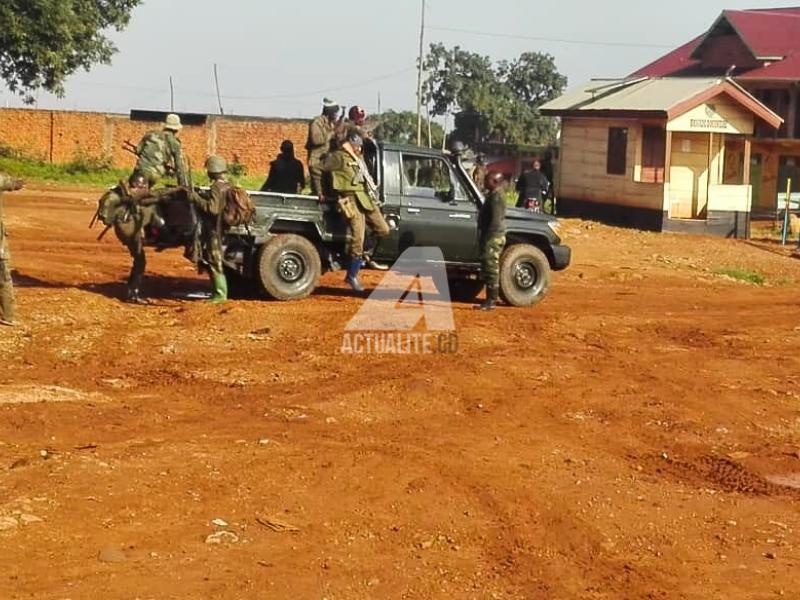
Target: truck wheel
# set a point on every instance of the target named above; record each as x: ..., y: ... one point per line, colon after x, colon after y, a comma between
x: 464, y: 290
x: 288, y: 267
x: 524, y: 275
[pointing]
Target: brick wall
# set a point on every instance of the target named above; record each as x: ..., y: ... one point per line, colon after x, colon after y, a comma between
x: 59, y: 136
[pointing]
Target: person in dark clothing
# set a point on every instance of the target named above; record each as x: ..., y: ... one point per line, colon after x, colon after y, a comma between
x: 492, y: 225
x: 532, y: 187
x: 286, y: 175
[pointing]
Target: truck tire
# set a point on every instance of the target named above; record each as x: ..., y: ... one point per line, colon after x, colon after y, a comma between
x: 288, y: 267
x: 524, y: 275
x: 464, y: 290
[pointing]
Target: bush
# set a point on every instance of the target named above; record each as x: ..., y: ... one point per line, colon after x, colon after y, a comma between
x: 85, y: 164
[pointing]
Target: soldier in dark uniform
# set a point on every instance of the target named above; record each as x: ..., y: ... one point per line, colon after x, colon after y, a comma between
x: 532, y: 187
x: 286, y: 174
x: 356, y: 203
x: 321, y: 135
x: 7, y: 306
x: 211, y: 204
x: 492, y: 225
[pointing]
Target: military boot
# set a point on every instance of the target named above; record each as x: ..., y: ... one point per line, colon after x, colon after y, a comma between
x: 132, y: 293
x: 492, y: 294
x: 352, y: 274
x: 220, y: 284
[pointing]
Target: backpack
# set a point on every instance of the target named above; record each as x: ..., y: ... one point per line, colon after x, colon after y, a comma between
x: 239, y: 208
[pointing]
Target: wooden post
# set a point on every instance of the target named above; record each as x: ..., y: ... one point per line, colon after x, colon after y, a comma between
x: 668, y: 157
x: 747, y: 157
x: 791, y: 118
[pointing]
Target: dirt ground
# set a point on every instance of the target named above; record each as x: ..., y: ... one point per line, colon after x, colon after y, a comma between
x: 635, y: 436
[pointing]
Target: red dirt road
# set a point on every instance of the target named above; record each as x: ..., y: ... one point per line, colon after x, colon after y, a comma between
x: 635, y: 436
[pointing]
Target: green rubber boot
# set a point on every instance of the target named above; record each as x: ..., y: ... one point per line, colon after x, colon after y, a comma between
x: 220, y: 284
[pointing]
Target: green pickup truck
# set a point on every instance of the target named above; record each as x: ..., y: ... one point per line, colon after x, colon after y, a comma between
x: 428, y: 199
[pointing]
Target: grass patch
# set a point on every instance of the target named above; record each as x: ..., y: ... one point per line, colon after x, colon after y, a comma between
x: 77, y: 172
x: 742, y: 275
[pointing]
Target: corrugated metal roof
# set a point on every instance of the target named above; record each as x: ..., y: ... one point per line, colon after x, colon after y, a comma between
x: 640, y: 95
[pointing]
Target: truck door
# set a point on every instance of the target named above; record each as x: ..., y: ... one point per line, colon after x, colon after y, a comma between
x: 436, y: 209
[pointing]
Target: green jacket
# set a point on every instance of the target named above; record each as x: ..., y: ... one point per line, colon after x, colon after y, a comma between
x: 346, y: 178
x: 320, y: 133
x: 158, y: 150
x: 212, y: 202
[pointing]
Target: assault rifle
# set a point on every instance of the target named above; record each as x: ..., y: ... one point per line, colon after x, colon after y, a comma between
x: 365, y: 175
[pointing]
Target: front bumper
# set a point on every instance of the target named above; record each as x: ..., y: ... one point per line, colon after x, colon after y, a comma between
x: 562, y: 255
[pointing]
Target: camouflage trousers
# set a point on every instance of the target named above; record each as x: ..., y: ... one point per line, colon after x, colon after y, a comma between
x: 491, y: 250
x: 212, y: 249
x: 130, y: 232
x: 358, y: 220
x: 6, y: 291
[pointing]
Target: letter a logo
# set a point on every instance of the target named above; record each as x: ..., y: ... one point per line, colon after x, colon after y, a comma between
x: 415, y: 289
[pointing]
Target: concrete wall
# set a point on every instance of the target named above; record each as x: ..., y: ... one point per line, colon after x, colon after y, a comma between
x: 60, y: 136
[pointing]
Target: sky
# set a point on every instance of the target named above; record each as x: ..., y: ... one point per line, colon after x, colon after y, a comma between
x: 279, y: 59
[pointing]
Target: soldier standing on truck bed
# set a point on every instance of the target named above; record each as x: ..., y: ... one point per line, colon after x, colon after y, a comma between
x: 129, y: 208
x: 357, y: 202
x: 211, y: 204
x: 7, y: 184
x: 321, y: 135
x: 161, y: 152
x: 492, y: 226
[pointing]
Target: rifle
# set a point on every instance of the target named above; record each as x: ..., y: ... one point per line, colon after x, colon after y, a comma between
x: 366, y: 176
x: 129, y: 146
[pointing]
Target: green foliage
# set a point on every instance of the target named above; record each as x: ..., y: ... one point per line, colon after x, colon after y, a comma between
x: 493, y: 102
x: 83, y: 163
x: 743, y: 275
x: 42, y: 42
x: 401, y: 128
x: 76, y: 172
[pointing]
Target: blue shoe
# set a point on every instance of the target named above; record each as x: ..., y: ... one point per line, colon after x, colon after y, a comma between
x: 352, y: 275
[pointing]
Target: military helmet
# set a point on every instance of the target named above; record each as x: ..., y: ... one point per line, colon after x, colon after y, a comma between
x: 357, y: 115
x: 137, y: 180
x: 355, y: 139
x: 215, y: 165
x: 173, y: 122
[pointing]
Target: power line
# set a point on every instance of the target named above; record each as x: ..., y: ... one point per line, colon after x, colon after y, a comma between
x: 554, y: 40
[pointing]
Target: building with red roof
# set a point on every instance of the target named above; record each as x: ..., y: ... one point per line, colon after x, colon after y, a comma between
x: 696, y: 141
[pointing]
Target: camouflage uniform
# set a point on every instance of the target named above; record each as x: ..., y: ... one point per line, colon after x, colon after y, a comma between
x: 355, y: 203
x: 493, y: 241
x: 6, y: 284
x: 321, y: 132
x: 157, y: 151
x: 211, y: 203
x: 122, y: 209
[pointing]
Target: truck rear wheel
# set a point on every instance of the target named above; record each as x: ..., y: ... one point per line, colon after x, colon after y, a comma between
x: 288, y: 267
x: 524, y: 275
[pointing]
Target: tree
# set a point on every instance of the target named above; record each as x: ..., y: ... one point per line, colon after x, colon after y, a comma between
x: 42, y: 42
x: 493, y: 102
x: 401, y: 128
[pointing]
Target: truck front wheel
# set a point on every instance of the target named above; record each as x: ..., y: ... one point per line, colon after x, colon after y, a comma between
x: 524, y: 275
x: 288, y: 267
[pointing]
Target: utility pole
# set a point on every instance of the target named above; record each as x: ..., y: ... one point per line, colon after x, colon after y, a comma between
x: 219, y: 95
x: 419, y: 75
x: 171, y: 95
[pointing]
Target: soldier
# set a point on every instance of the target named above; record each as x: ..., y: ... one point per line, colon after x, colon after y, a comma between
x: 492, y: 227
x: 286, y: 174
x: 356, y: 122
x: 479, y: 172
x: 211, y: 204
x: 357, y: 202
x: 7, y: 184
x: 321, y: 135
x: 129, y: 208
x: 161, y: 152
